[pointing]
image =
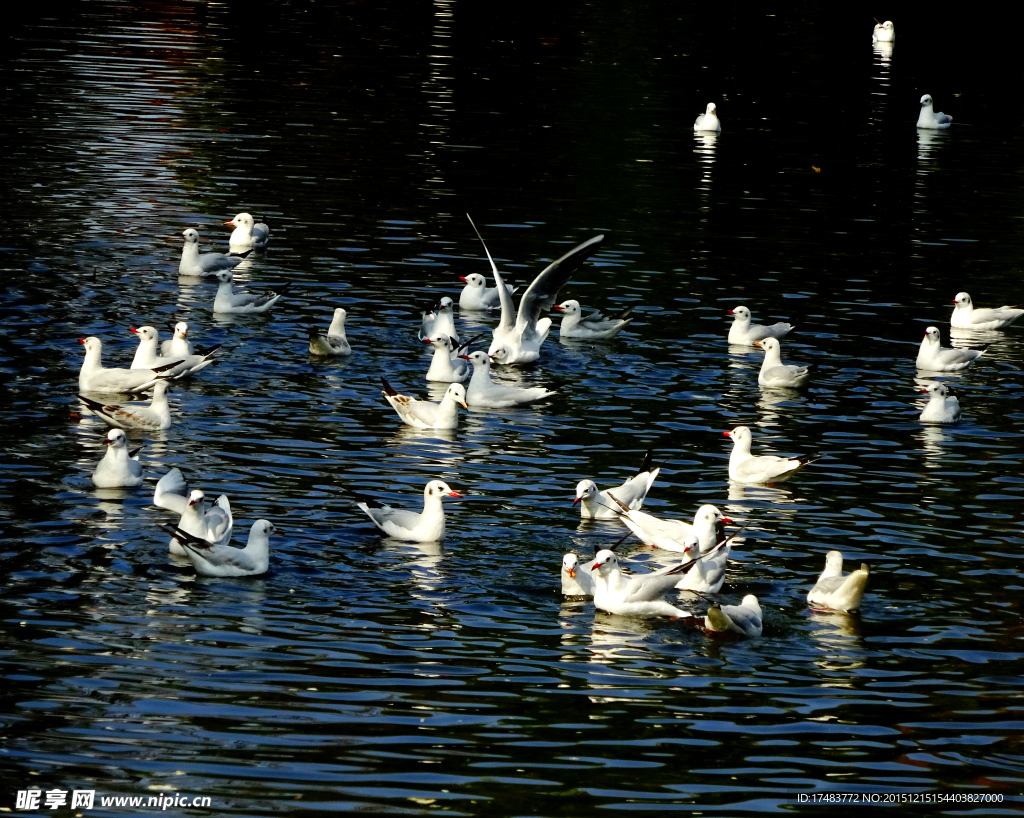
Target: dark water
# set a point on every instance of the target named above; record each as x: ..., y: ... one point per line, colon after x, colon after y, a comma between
x: 362, y: 674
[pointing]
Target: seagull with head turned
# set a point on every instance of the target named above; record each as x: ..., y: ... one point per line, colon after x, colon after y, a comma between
x: 213, y: 524
x: 577, y: 577
x: 774, y: 374
x: 223, y: 560
x: 248, y: 234
x: 443, y: 367
x: 634, y: 595
x: 597, y: 505
x: 745, y: 467
x: 411, y: 526
x: 929, y: 118
x: 933, y: 357
x: 967, y: 316
x: 178, y: 344
x: 942, y: 406
x: 119, y: 467
x: 744, y: 619
x: 476, y: 295
x: 836, y: 590
x: 335, y: 343
x: 194, y: 264
x: 439, y: 319
x: 743, y: 332
x: 883, y: 32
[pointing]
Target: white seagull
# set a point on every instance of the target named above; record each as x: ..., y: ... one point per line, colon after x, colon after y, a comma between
x: 335, y: 342
x: 595, y: 327
x: 965, y: 316
x: 476, y: 295
x: 638, y: 594
x: 933, y: 357
x: 930, y: 119
x: 93, y: 377
x: 222, y: 560
x: 597, y: 505
x: 884, y: 32
x: 150, y: 418
x: 671, y: 534
x: 194, y: 264
x: 705, y: 574
x: 744, y: 333
x: 487, y: 394
x: 411, y: 526
x: 247, y: 235
x: 228, y: 301
x: 942, y: 406
x: 147, y: 355
x: 774, y: 373
x: 518, y: 336
x: 425, y: 414
x: 213, y: 524
x: 178, y: 344
x: 836, y: 590
x: 744, y: 619
x: 745, y: 467
x: 577, y: 579
x: 443, y: 367
x: 439, y: 319
x: 119, y: 467
x: 708, y: 121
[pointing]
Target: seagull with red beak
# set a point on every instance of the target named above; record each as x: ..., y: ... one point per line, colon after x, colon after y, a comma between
x: 411, y: 526
x: 636, y: 594
x: 671, y: 534
x: 597, y: 505
x: 745, y: 467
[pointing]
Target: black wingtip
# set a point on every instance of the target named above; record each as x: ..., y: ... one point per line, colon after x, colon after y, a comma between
x: 804, y: 459
x: 388, y: 388
x: 165, y: 367
x: 619, y: 503
x: 647, y: 465
x: 622, y: 316
x: 133, y: 452
x: 207, y: 351
x: 360, y: 498
x: 283, y: 288
x: 95, y: 406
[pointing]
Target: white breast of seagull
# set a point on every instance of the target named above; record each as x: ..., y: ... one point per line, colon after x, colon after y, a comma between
x: 743, y: 332
x: 636, y: 595
x: 117, y: 468
x: 836, y: 590
x: 708, y: 121
x: 94, y: 377
x: 967, y: 316
x: 929, y: 118
x: 941, y: 407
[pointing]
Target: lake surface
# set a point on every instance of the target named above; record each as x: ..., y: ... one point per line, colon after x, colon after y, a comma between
x: 366, y: 674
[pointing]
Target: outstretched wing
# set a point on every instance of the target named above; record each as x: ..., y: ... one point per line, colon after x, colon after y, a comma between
x: 543, y: 292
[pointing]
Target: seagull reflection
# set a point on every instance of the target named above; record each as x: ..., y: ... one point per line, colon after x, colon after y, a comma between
x: 757, y: 496
x: 704, y: 146
x: 615, y: 638
x: 929, y: 141
x: 772, y: 397
x: 932, y: 437
x: 883, y: 55
x: 962, y: 338
x: 836, y: 632
x: 424, y: 563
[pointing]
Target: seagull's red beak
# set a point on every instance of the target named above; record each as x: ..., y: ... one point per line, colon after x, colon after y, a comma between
x: 572, y: 573
x: 574, y: 502
x: 954, y: 300
x: 427, y: 341
x: 731, y: 312
x: 462, y: 278
x: 81, y: 340
x: 191, y: 502
x: 727, y: 520
x: 558, y: 307
x: 727, y: 434
x: 454, y: 494
x: 232, y: 222
x: 595, y: 566
x: 465, y: 356
x: 132, y: 329
x: 924, y: 390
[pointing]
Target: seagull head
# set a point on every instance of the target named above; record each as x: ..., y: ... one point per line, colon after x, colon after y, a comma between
x: 568, y: 307
x: 585, y: 489
x: 962, y: 300
x: 191, y: 236
x: 440, y: 342
x: 180, y: 329
x: 116, y: 438
x: 570, y: 564
x: 499, y: 354
x: 711, y: 108
x: 931, y: 335
x: 741, y: 434
x: 91, y: 344
x: 740, y: 312
x: 224, y: 276
x: 439, y: 488
x: 241, y: 219
x: 691, y: 545
x: 769, y: 344
x: 709, y: 515
x: 457, y: 392
x: 145, y: 333
x: 478, y: 358
x: 474, y: 280
x: 447, y: 303
x: 936, y: 388
x: 605, y: 561
x: 926, y: 100
x: 197, y: 499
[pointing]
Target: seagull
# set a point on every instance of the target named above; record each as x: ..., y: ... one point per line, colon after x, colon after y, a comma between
x: 194, y: 264
x: 744, y: 619
x: 246, y: 235
x: 884, y: 32
x: 776, y: 374
x: 745, y: 467
x: 747, y: 334
x: 708, y: 121
x: 119, y: 467
x: 425, y: 414
x: 930, y: 119
x: 577, y: 577
x: 408, y: 525
x: 147, y: 357
x: 518, y: 336
x: 93, y: 377
x: 150, y: 418
x: 476, y: 295
x: 836, y: 590
x: 213, y: 524
x: 934, y: 358
x: 940, y: 408
x: 597, y: 505
x: 637, y: 595
x: 439, y: 319
x: 228, y: 301
x: 178, y: 344
x: 706, y: 573
x: 595, y: 327
x: 334, y: 343
x: 222, y: 560
x: 965, y: 316
x: 671, y: 534
x: 487, y: 394
x: 443, y: 367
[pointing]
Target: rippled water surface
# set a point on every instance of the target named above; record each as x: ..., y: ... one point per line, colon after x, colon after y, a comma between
x: 368, y: 674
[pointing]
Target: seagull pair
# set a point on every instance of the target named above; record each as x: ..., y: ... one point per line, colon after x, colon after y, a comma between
x: 212, y: 524
x: 223, y: 560
x: 148, y: 356
x: 94, y: 377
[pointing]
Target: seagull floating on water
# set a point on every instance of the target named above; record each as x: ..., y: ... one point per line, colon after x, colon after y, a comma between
x: 595, y: 327
x: 194, y: 264
x: 147, y: 357
x: 487, y: 394
x: 597, y: 505
x: 213, y: 524
x: 425, y: 414
x: 745, y: 467
x: 636, y: 595
x: 884, y: 32
x: 933, y: 357
x: 248, y: 235
x: 439, y: 319
x: 443, y: 368
x: 223, y: 560
x: 411, y: 526
x: 744, y: 619
x: 965, y: 316
x: 774, y: 373
x: 577, y: 577
x: 178, y: 344
x: 119, y: 467
x: 671, y: 534
x: 942, y: 406
x: 228, y: 301
x: 836, y: 590
x: 93, y: 377
x: 930, y: 119
x: 708, y: 121
x: 335, y: 342
x: 476, y: 295
x: 150, y: 418
x: 744, y: 333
